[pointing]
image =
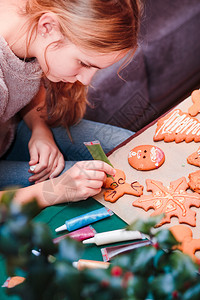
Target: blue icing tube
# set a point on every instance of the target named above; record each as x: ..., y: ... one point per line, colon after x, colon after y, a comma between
x: 85, y: 219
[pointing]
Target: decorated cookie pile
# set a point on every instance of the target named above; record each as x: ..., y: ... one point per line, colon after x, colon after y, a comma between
x: 177, y: 199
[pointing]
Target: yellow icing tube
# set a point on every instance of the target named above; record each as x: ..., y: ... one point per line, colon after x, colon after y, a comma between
x: 90, y: 264
x: 114, y: 236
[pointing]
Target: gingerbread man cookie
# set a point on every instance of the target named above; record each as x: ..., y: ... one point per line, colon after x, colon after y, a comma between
x: 195, y: 108
x: 177, y: 126
x: 172, y: 201
x: 194, y: 182
x: 146, y: 157
x: 194, y: 158
x: 188, y: 245
x: 119, y: 187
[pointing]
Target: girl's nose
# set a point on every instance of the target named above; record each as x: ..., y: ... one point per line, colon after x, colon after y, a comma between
x: 86, y: 75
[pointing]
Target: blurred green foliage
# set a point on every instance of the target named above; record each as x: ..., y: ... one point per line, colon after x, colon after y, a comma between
x: 154, y: 272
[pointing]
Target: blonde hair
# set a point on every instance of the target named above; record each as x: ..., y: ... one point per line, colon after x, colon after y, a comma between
x: 103, y: 26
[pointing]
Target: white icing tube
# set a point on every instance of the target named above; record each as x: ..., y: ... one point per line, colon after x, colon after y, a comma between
x: 114, y: 237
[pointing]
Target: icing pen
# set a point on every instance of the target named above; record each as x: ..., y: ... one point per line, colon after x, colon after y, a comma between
x: 97, y: 153
x: 78, y: 235
x: 85, y: 219
x: 109, y: 252
x: 83, y: 264
x: 114, y: 236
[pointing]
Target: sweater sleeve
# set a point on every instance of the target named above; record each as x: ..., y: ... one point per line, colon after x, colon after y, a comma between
x: 3, y: 94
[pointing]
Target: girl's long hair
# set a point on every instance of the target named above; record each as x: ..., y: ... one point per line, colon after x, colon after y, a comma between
x: 103, y: 26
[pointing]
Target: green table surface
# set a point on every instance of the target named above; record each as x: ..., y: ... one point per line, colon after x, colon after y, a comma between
x: 56, y: 216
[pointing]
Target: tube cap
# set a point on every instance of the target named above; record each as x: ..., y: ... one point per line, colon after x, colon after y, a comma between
x: 89, y: 241
x: 61, y: 228
x: 75, y: 264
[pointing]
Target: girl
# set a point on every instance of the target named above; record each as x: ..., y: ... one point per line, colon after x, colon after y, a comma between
x: 49, y: 52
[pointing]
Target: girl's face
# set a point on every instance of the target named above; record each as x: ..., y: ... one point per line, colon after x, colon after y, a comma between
x: 64, y: 61
x: 69, y: 63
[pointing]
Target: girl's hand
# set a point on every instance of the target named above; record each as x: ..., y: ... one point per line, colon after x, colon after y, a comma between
x: 46, y: 156
x: 85, y: 179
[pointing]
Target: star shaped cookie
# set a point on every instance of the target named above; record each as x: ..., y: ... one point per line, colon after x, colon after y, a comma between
x: 172, y: 201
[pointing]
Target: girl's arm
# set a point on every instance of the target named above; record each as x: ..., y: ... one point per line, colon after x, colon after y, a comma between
x: 85, y: 179
x: 42, y: 147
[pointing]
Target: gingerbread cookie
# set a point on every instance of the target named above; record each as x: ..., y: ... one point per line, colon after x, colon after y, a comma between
x: 194, y: 158
x: 188, y: 245
x: 195, y: 108
x: 146, y: 157
x: 194, y: 182
x: 177, y: 126
x: 173, y: 201
x: 13, y: 281
x: 119, y: 187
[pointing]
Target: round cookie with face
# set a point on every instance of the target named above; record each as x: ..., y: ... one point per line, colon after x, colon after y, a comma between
x: 146, y: 157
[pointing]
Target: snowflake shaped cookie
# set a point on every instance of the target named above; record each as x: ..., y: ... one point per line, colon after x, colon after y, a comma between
x: 173, y: 201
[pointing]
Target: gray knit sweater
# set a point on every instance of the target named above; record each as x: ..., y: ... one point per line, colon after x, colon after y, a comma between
x: 19, y: 83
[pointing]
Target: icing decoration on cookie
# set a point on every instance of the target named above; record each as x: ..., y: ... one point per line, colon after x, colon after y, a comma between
x: 146, y: 157
x: 194, y: 181
x: 195, y: 108
x: 172, y: 201
x: 194, y: 158
x: 119, y: 187
x: 177, y: 126
x: 183, y: 234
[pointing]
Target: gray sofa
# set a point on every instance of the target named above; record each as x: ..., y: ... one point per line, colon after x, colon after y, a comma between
x: 164, y: 70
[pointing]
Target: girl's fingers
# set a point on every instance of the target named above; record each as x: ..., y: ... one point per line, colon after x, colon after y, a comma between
x: 49, y: 172
x: 94, y: 184
x: 57, y: 169
x: 94, y: 192
x: 92, y: 175
x: 42, y: 178
x: 38, y: 176
x: 97, y: 165
x: 33, y: 156
x: 82, y: 170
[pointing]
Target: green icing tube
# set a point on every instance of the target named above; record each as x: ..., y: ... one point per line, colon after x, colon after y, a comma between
x: 97, y: 152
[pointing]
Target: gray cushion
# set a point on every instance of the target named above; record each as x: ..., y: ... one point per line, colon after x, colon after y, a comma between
x: 165, y: 68
x: 121, y: 102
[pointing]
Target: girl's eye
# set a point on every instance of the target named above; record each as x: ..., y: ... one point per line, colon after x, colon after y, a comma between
x: 84, y: 65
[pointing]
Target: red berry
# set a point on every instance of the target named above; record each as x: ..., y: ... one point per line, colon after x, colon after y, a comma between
x: 116, y: 271
x: 156, y: 245
x: 127, y: 276
x: 198, y: 261
x: 175, y: 294
x: 105, y: 283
